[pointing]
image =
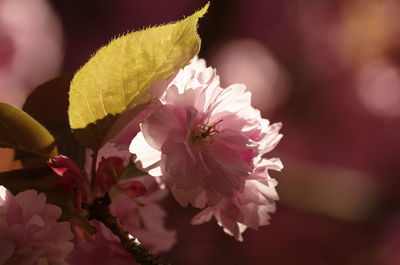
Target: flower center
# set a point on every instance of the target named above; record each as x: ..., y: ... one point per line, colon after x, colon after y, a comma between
x: 202, y: 134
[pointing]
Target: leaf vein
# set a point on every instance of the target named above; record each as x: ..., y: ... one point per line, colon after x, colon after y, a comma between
x: 122, y: 73
x: 87, y: 101
x: 101, y: 85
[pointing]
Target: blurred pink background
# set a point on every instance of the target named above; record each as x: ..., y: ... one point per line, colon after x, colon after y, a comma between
x: 329, y: 70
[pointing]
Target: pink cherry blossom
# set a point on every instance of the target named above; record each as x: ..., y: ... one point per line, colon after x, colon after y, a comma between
x: 203, y: 141
x: 29, y: 231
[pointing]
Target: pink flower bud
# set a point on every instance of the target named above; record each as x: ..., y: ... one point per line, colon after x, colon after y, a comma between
x: 68, y: 170
x: 133, y: 188
x: 72, y: 178
x: 107, y: 173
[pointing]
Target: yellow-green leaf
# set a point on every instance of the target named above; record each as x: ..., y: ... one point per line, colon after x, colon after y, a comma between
x: 19, y: 130
x: 116, y: 78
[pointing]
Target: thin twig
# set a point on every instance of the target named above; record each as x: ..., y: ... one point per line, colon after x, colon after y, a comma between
x: 99, y: 211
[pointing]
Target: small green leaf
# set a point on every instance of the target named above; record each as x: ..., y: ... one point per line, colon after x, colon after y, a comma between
x: 116, y: 78
x: 19, y: 130
x: 130, y: 172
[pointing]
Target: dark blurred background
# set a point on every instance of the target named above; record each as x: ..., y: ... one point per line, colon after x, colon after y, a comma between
x: 328, y: 69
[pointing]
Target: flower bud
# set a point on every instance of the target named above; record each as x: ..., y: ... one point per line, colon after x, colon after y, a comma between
x: 107, y: 173
x: 133, y: 188
x: 68, y: 170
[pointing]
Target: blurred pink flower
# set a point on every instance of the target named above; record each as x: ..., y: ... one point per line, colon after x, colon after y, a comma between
x: 136, y: 205
x: 142, y: 217
x: 379, y: 88
x: 31, y: 47
x: 201, y: 140
x: 104, y: 249
x: 29, y: 231
x: 250, y: 208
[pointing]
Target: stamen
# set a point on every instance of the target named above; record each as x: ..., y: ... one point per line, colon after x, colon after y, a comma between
x: 202, y: 134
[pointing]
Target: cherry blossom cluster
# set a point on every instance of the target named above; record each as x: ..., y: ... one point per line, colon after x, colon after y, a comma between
x: 203, y: 143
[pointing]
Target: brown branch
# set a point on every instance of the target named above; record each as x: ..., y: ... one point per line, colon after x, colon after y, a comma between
x: 99, y: 211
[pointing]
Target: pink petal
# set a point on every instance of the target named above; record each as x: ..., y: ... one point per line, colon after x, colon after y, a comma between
x: 146, y: 157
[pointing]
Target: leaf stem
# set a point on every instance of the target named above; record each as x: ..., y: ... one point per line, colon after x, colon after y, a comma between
x: 99, y: 211
x: 93, y: 171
